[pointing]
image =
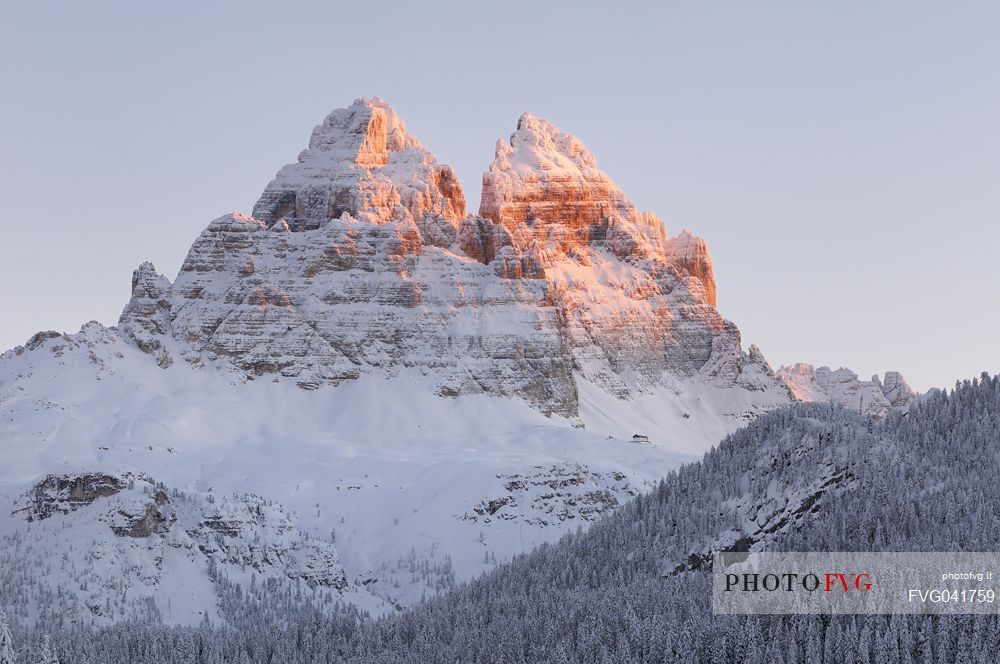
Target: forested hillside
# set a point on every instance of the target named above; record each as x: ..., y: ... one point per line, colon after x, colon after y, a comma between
x: 636, y: 587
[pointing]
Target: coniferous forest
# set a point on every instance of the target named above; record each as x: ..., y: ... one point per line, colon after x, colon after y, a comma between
x: 636, y: 586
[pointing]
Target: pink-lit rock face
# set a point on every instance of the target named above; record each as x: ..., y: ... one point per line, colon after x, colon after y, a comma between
x: 544, y: 187
x: 362, y: 161
x: 360, y: 259
x: 689, y: 253
x: 548, y: 181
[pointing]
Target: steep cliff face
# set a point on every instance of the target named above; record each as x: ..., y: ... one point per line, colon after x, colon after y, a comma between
x: 359, y: 259
x: 544, y: 182
x: 352, y: 297
x: 895, y: 389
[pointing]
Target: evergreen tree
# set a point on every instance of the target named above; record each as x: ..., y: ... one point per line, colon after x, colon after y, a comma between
x: 47, y: 654
x: 7, y: 655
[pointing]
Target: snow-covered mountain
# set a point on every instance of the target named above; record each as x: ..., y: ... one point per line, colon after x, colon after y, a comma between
x: 359, y: 260
x: 426, y: 392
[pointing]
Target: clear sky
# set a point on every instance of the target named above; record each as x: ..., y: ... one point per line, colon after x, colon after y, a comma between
x: 841, y: 158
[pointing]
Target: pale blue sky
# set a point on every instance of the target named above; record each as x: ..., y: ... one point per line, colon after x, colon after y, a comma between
x: 842, y: 159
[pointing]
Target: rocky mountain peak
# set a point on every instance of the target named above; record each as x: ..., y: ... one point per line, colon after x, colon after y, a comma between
x: 538, y: 145
x: 364, y: 133
x: 359, y: 258
x: 363, y: 164
x: 689, y: 252
x: 896, y: 389
x: 544, y: 186
x: 546, y: 179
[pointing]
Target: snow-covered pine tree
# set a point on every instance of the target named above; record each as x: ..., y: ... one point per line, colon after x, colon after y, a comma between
x: 7, y: 655
x: 47, y: 655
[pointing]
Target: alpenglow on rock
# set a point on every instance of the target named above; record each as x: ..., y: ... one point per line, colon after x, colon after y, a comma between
x: 362, y: 162
x: 360, y: 258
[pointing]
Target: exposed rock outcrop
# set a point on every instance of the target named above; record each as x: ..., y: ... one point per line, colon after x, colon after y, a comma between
x: 896, y: 390
x: 875, y: 397
x: 143, y: 517
x: 239, y: 531
x: 690, y: 254
x: 146, y: 318
x: 251, y: 532
x: 62, y: 494
x: 546, y: 495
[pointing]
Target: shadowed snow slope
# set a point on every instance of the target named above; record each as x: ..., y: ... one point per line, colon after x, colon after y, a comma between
x: 393, y: 471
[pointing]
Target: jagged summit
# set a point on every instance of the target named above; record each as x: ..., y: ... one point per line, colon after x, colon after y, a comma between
x: 538, y: 145
x: 146, y: 318
x: 363, y: 133
x: 875, y: 397
x: 544, y: 185
x: 362, y: 162
x: 359, y: 258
